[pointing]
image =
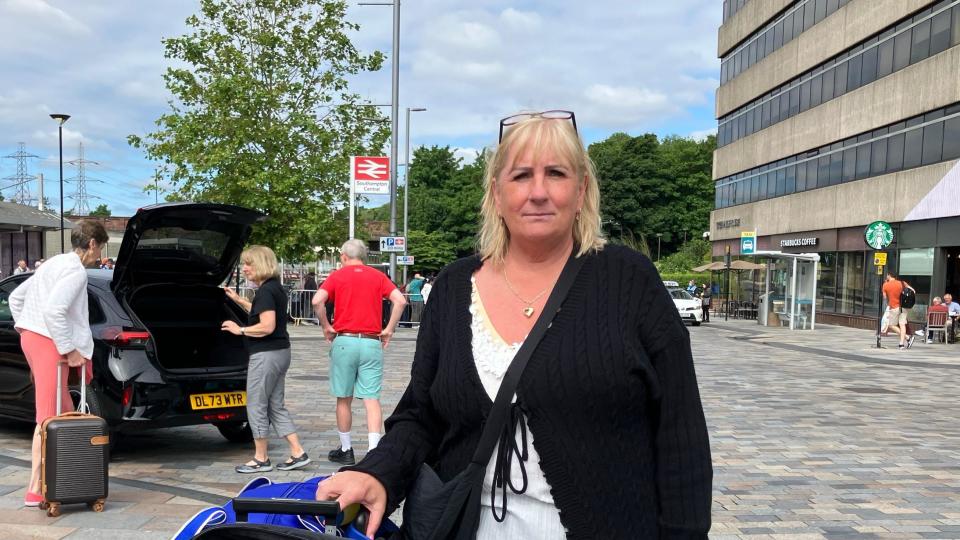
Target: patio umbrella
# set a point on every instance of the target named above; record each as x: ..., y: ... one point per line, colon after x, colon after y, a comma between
x: 745, y: 265
x: 712, y: 267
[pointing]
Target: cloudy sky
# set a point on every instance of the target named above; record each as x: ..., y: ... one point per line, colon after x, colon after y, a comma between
x: 631, y: 66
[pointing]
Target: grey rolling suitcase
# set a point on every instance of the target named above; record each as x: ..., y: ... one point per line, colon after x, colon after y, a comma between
x: 75, y: 454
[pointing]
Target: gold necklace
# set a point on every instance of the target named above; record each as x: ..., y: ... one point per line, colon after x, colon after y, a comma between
x: 529, y: 310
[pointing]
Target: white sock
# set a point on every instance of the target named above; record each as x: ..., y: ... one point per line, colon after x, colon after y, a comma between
x: 344, y: 440
x: 374, y: 440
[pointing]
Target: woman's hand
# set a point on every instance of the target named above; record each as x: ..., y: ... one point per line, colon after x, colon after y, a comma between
x: 232, y: 294
x: 356, y: 487
x: 75, y: 359
x: 230, y: 326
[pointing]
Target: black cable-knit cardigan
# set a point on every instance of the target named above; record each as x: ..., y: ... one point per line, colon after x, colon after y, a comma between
x: 610, y: 395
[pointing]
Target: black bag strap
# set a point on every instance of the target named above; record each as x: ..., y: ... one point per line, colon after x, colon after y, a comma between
x: 500, y: 411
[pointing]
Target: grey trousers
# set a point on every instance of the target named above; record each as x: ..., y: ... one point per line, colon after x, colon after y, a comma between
x: 266, y: 375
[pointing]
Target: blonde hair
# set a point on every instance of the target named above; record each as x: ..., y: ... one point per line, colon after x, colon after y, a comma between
x: 263, y: 262
x: 537, y: 134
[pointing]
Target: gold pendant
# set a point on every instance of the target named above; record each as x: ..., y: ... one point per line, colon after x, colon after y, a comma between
x: 528, y: 311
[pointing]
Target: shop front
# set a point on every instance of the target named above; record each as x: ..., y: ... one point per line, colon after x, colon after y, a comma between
x: 925, y: 254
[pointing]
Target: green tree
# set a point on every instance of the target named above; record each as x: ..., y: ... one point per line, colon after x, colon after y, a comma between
x: 431, y: 251
x: 263, y: 116
x: 649, y: 186
x: 100, y: 211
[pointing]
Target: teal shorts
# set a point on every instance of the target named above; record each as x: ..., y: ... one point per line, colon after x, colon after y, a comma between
x: 356, y: 367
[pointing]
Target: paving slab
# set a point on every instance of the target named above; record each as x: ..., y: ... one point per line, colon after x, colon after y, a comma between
x: 814, y: 434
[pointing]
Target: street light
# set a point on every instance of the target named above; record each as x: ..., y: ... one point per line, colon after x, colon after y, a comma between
x: 61, y: 118
x: 394, y: 114
x: 658, y: 246
x: 406, y: 189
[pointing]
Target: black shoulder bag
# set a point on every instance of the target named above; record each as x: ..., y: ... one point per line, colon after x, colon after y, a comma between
x: 435, y: 510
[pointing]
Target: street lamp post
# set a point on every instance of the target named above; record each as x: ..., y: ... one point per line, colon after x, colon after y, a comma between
x: 394, y: 114
x: 658, y: 246
x: 406, y: 189
x: 61, y: 118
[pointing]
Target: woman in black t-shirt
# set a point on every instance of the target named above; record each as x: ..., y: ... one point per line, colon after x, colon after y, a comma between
x: 269, y: 347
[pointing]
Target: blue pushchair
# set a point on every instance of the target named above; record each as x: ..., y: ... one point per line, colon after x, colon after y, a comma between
x: 265, y: 511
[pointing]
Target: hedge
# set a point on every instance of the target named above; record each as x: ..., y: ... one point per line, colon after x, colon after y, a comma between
x: 684, y: 277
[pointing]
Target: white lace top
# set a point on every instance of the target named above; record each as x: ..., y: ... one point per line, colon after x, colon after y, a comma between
x: 533, y: 513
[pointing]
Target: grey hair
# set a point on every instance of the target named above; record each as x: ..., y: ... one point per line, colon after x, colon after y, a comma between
x: 938, y: 299
x: 354, y: 249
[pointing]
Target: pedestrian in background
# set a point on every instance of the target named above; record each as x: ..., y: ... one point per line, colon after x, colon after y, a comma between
x: 427, y: 287
x: 706, y: 297
x: 607, y: 438
x: 892, y: 289
x: 21, y: 267
x: 269, y: 345
x: 358, y: 339
x: 51, y: 314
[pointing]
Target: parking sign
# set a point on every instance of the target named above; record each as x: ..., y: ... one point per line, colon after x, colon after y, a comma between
x: 393, y: 244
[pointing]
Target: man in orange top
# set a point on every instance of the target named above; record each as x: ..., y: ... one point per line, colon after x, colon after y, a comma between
x: 357, y: 340
x: 896, y: 315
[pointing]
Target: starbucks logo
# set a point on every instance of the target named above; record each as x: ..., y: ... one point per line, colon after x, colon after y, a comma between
x: 878, y: 234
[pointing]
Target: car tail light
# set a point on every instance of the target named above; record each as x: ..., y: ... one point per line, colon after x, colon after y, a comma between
x: 131, y: 338
x: 219, y: 417
x: 127, y: 396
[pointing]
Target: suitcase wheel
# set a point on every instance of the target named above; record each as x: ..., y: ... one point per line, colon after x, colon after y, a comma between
x: 44, y: 505
x: 53, y: 510
x: 96, y: 506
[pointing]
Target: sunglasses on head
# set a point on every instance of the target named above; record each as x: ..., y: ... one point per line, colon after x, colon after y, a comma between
x: 550, y: 115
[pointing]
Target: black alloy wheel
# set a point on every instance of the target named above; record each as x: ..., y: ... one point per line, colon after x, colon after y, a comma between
x: 235, y: 432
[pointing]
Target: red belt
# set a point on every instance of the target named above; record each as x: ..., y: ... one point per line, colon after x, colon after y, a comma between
x: 359, y: 335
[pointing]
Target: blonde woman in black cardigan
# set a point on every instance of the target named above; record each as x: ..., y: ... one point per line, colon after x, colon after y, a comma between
x: 611, y: 441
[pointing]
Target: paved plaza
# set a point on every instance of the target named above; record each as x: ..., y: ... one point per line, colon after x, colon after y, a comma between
x: 814, y: 435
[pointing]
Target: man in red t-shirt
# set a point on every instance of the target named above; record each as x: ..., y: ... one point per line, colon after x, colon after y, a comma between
x: 357, y: 340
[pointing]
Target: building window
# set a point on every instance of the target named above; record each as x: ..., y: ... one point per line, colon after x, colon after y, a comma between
x: 916, y: 268
x: 850, y: 283
x: 775, y: 34
x: 827, y: 282
x: 909, y: 41
x: 922, y: 140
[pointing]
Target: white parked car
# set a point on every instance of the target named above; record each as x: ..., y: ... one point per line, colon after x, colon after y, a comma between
x: 690, y: 308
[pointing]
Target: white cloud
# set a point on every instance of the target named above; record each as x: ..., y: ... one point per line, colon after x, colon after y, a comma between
x: 521, y: 20
x: 30, y: 14
x: 639, y: 66
x: 702, y: 134
x: 468, y: 155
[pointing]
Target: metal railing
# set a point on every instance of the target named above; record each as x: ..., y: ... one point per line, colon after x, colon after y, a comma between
x: 300, y: 307
x: 413, y: 312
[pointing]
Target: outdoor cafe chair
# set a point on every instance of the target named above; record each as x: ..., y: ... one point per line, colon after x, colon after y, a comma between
x: 937, y: 324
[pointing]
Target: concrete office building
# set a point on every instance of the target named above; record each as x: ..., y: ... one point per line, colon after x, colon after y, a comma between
x: 834, y: 114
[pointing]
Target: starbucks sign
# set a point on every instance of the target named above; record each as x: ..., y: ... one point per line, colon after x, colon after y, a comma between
x: 878, y: 235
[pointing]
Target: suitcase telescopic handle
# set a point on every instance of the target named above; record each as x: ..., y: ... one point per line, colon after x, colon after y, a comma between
x: 245, y: 506
x: 83, y: 386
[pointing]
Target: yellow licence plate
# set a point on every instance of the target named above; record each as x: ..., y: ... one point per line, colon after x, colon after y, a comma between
x: 218, y: 400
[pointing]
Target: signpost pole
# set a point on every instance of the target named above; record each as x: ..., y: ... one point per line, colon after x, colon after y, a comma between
x: 879, y: 235
x: 726, y: 314
x: 879, y: 305
x: 353, y: 196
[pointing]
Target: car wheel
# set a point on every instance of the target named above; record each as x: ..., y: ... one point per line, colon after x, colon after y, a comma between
x: 696, y: 322
x: 235, y: 432
x: 92, y: 406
